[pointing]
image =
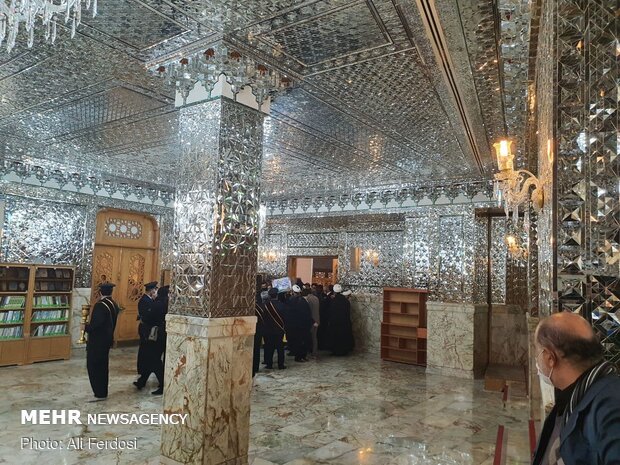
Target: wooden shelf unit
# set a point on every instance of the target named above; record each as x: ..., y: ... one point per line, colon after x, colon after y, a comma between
x: 403, y: 330
x: 35, y: 324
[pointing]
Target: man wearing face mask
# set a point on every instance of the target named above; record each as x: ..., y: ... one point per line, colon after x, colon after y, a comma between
x: 584, y: 426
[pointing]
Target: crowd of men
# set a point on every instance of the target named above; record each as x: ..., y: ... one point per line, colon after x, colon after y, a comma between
x: 307, y: 317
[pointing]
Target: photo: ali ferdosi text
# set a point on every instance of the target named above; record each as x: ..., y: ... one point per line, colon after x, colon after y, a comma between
x: 78, y: 443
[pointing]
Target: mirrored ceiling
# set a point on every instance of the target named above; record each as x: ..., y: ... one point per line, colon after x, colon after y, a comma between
x: 387, y: 92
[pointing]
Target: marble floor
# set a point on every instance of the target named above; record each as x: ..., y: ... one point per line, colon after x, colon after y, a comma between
x: 339, y: 411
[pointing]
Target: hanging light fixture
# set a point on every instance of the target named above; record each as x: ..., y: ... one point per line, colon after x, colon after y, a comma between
x: 16, y: 12
x: 513, y: 187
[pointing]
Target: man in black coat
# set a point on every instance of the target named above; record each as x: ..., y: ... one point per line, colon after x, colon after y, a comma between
x: 152, y: 317
x: 340, y: 327
x: 100, y: 332
x: 298, y: 325
x: 273, y: 328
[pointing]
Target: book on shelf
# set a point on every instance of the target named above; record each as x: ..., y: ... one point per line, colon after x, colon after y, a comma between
x: 12, y: 302
x: 41, y: 273
x: 12, y: 316
x: 13, y: 332
x: 66, y: 274
x: 50, y: 330
x: 46, y: 315
x: 51, y: 301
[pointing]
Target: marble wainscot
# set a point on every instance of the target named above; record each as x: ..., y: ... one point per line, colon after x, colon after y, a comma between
x: 457, y: 339
x: 208, y: 375
x: 509, y: 340
x: 366, y: 316
x: 81, y: 296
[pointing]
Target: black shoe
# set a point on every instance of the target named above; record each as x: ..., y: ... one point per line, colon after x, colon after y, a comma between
x: 138, y: 385
x: 282, y: 368
x: 299, y: 359
x: 158, y: 392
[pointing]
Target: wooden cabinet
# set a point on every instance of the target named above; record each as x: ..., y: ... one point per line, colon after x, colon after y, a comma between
x: 35, y: 313
x: 403, y: 330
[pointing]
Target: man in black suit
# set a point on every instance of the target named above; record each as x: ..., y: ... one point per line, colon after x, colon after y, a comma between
x: 151, y: 315
x: 100, y: 332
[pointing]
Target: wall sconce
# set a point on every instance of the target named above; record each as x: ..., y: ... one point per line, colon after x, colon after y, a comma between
x: 516, y: 250
x: 372, y: 256
x: 270, y: 256
x: 513, y: 187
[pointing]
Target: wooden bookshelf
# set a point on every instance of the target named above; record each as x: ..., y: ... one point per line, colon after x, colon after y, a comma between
x: 403, y: 330
x: 35, y: 318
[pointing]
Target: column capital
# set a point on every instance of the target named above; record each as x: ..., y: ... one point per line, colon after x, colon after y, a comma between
x: 222, y: 70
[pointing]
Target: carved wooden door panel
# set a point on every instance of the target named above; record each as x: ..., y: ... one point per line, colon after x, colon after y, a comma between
x: 135, y: 264
x: 106, y: 268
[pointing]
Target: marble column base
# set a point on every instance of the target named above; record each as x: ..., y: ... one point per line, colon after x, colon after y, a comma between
x: 509, y: 333
x: 208, y: 375
x: 457, y: 339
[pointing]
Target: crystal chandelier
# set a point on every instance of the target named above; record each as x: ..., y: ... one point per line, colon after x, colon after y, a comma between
x: 512, y: 186
x: 207, y: 66
x: 27, y: 11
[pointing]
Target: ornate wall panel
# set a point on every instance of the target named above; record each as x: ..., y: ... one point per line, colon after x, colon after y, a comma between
x: 424, y: 249
x: 217, y: 210
x: 41, y: 232
x: 306, y: 240
x: 410, y: 248
x: 387, y: 270
x: 272, y: 255
x: 451, y: 255
x: 498, y: 260
x: 583, y: 36
x: 545, y: 91
x: 68, y: 229
x: 481, y: 260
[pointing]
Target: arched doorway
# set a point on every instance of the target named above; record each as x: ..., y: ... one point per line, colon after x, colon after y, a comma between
x: 126, y: 253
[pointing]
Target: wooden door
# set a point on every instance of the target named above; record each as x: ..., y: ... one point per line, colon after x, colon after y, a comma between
x: 126, y: 253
